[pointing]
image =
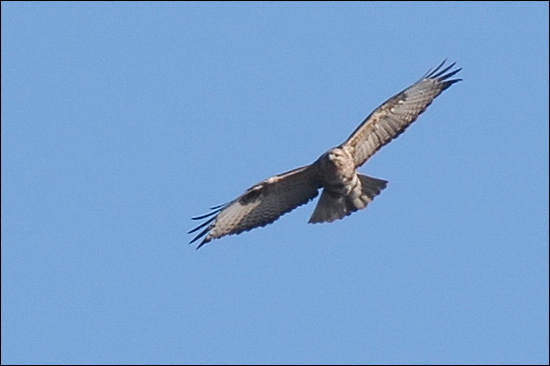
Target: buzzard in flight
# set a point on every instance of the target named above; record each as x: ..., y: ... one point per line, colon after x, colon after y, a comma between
x: 344, y: 189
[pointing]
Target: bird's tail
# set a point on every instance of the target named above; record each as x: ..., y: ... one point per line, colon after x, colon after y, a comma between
x: 335, y: 205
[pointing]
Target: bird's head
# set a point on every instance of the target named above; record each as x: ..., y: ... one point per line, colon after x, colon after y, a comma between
x: 334, y: 158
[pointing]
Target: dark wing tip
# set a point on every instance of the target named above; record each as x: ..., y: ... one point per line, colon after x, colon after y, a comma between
x: 439, y: 72
x: 208, y: 223
x: 202, y: 225
x: 442, y: 74
x: 200, y: 235
x: 204, y: 241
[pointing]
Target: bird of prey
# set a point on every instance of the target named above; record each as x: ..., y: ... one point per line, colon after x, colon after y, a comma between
x: 344, y: 189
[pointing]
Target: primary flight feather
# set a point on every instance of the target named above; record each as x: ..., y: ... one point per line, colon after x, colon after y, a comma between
x: 344, y: 189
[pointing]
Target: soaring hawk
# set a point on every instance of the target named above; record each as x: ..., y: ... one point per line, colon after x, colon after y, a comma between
x: 344, y: 189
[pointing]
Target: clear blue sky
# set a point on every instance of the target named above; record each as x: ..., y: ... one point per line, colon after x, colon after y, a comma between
x: 121, y: 121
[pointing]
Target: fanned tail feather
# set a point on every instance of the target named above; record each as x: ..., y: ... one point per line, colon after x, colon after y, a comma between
x: 335, y: 205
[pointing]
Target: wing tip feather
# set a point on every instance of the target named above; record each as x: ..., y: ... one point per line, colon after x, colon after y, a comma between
x: 214, y: 213
x: 442, y: 75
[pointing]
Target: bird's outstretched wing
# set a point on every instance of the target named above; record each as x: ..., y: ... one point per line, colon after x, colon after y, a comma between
x: 260, y: 205
x: 397, y: 113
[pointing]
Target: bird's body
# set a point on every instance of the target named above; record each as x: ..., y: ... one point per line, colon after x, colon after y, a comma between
x: 344, y: 189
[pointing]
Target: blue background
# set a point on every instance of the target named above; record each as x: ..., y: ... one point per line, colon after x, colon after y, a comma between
x: 121, y: 121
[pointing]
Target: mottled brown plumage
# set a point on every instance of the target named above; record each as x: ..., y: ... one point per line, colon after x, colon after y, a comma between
x: 344, y: 189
